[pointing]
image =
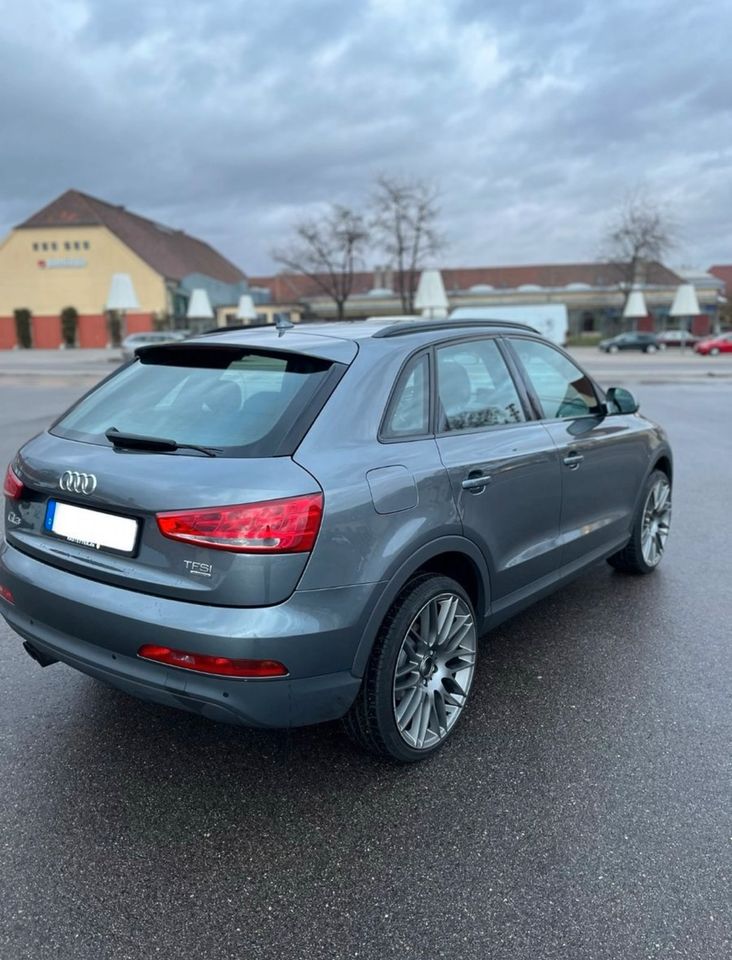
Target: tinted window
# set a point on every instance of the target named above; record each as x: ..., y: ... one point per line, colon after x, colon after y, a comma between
x: 409, y: 411
x: 563, y: 390
x: 474, y: 387
x: 239, y: 400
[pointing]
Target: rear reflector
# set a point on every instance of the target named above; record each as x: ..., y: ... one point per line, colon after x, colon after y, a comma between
x: 219, y: 666
x: 13, y: 485
x: 6, y: 594
x: 274, y: 526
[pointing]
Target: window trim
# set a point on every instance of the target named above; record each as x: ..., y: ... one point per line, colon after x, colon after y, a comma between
x: 599, y: 410
x: 382, y: 436
x: 521, y: 393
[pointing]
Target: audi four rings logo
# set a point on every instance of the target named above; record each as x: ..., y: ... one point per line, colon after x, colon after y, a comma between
x: 74, y: 482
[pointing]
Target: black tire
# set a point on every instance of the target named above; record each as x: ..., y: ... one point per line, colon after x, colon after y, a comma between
x: 631, y: 559
x: 371, y: 721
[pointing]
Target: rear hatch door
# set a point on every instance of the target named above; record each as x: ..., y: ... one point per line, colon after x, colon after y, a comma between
x: 91, y: 507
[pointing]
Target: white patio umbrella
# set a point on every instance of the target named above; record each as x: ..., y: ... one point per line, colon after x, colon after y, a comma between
x: 685, y: 302
x: 199, y: 306
x: 635, y: 306
x: 122, y: 294
x: 245, y: 311
x: 685, y: 306
x: 431, y: 299
x: 120, y: 298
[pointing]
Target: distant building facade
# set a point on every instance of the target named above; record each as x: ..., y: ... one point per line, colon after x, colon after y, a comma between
x: 65, y: 256
x: 594, y: 293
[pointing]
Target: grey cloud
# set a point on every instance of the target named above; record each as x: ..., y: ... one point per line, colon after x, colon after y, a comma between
x: 228, y: 118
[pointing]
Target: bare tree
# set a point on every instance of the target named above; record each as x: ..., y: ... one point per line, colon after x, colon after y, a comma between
x: 404, y: 222
x: 641, y: 233
x: 327, y: 249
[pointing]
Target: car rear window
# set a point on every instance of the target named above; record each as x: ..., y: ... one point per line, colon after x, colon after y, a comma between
x: 242, y: 402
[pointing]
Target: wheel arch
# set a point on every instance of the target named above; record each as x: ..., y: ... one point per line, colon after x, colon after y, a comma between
x: 455, y: 557
x: 665, y: 464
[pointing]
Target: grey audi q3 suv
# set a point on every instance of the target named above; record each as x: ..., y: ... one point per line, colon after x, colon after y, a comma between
x: 277, y: 527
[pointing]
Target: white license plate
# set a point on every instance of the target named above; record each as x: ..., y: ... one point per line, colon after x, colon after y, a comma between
x: 92, y: 528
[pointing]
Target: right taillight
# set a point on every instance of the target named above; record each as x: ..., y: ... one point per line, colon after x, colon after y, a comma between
x: 274, y: 526
x: 13, y: 485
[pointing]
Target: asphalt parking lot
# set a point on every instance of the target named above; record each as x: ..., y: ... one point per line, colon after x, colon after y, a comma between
x: 581, y: 811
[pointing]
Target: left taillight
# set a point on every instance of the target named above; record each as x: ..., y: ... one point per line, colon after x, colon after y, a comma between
x: 217, y: 666
x: 274, y: 526
x: 13, y: 485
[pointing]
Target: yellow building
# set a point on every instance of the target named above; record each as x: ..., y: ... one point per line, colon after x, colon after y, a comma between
x: 65, y: 256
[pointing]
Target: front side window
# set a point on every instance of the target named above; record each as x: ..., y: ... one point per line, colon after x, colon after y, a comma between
x: 475, y: 387
x: 409, y: 410
x: 562, y: 388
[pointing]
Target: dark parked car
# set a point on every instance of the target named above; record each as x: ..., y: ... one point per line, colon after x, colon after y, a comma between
x: 647, y: 342
x: 713, y: 346
x: 282, y: 527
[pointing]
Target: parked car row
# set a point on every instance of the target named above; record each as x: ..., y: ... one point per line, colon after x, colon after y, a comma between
x: 652, y: 342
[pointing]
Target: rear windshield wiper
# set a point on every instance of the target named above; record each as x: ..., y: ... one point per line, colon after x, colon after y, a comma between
x: 137, y: 441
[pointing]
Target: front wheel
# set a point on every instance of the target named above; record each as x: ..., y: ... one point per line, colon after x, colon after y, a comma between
x: 419, y: 675
x: 612, y: 349
x: 644, y: 550
x: 714, y: 351
x: 651, y: 348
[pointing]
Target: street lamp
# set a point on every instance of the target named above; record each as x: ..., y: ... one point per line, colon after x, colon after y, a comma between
x: 431, y: 299
x: 120, y: 299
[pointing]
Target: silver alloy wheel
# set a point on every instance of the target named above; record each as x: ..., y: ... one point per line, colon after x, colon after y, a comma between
x: 434, y: 671
x: 656, y: 521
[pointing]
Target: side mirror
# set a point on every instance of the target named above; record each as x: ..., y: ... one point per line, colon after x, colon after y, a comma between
x: 620, y: 400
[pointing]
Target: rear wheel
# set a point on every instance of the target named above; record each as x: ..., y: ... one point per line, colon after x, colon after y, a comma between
x: 714, y: 351
x: 651, y: 348
x: 644, y: 550
x: 419, y: 675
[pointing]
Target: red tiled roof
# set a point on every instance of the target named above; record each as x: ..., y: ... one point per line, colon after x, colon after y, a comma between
x: 723, y: 272
x: 171, y: 253
x: 286, y: 287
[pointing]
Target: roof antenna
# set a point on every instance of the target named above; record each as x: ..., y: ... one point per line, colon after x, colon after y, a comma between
x: 282, y: 324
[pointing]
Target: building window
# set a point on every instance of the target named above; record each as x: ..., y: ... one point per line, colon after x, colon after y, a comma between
x: 35, y: 246
x: 85, y: 244
x: 76, y: 245
x: 53, y: 246
x: 67, y: 245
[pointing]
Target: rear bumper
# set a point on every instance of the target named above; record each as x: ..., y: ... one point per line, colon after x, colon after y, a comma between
x: 98, y: 628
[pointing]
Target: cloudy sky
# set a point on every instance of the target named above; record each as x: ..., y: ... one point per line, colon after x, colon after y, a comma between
x: 231, y: 118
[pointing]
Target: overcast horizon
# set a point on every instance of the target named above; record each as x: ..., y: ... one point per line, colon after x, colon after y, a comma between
x: 230, y: 121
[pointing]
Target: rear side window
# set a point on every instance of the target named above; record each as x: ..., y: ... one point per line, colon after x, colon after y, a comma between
x: 243, y: 402
x: 409, y: 411
x: 475, y: 388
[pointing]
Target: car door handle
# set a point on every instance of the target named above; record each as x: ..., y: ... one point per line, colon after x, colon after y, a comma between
x: 573, y: 459
x: 475, y: 481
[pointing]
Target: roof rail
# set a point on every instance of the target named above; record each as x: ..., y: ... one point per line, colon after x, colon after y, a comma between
x: 400, y: 329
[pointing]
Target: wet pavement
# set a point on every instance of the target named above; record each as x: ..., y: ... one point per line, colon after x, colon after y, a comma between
x: 582, y: 809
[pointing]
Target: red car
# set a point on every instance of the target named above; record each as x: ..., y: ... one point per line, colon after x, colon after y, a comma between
x: 712, y: 346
